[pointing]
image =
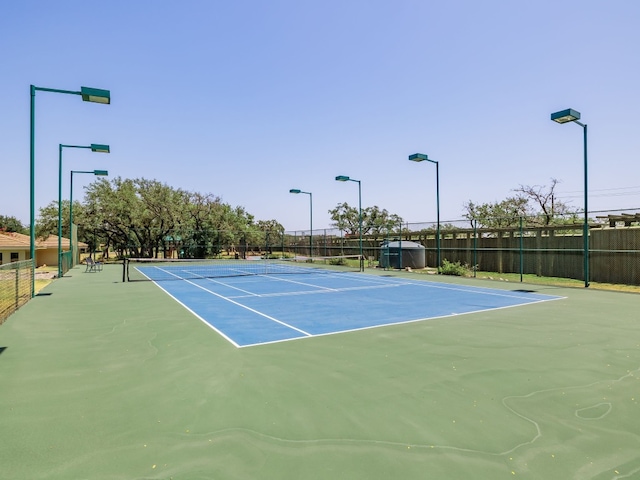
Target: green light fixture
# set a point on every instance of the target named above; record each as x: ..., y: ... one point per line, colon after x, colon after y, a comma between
x: 99, y: 148
x: 565, y: 116
x: 95, y: 95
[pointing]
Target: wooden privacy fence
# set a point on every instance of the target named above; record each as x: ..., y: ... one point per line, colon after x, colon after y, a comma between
x: 551, y: 251
x: 614, y: 253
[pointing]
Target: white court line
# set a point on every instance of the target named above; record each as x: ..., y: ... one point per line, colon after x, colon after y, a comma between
x: 219, y: 332
x: 249, y: 294
x: 239, y: 305
x: 288, y: 280
x: 445, y: 286
x: 314, y: 292
x: 403, y: 322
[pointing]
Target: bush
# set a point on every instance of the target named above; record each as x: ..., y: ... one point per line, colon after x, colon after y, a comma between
x: 337, y: 261
x: 457, y: 269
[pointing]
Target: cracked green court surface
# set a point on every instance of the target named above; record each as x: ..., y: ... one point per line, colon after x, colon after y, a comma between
x: 109, y: 380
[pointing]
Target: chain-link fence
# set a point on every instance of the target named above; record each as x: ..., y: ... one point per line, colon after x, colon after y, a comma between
x: 546, y: 246
x: 15, y: 286
x: 66, y: 261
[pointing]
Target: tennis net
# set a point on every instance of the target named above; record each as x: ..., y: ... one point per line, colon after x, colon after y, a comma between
x: 159, y: 269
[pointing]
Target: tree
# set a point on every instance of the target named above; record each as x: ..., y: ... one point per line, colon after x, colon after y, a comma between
x: 545, y: 198
x: 374, y: 220
x: 537, y: 203
x: 379, y: 223
x: 271, y: 233
x: 345, y: 218
x: 47, y: 222
x: 502, y: 214
x: 144, y: 217
x: 133, y: 216
x: 11, y: 224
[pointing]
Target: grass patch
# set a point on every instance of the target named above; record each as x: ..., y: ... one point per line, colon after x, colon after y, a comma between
x: 555, y: 281
x: 531, y: 278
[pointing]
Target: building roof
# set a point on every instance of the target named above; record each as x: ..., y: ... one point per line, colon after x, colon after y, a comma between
x: 19, y: 241
x: 14, y: 241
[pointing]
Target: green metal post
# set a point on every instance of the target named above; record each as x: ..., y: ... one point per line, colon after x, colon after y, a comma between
x: 360, y: 223
x: 101, y: 173
x: 567, y: 116
x: 475, y: 247
x: 60, y: 211
x: 585, y: 229
x: 400, y: 246
x: 344, y: 178
x: 92, y: 147
x: 311, y: 226
x: 521, y: 250
x: 73, y: 258
x: 296, y: 191
x: 421, y: 157
x: 438, y: 213
x: 32, y: 215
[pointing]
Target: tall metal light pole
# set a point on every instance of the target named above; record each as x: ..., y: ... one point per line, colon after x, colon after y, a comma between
x: 99, y: 173
x: 566, y: 116
x: 344, y: 178
x: 88, y: 95
x: 296, y: 191
x: 94, y: 148
x: 420, y: 157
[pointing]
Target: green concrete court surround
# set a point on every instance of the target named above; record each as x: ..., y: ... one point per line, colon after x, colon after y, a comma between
x: 109, y: 380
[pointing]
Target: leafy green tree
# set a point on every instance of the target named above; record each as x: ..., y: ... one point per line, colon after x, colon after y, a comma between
x: 11, y: 224
x: 113, y: 210
x: 379, y: 223
x: 345, y: 218
x: 538, y: 204
x: 144, y: 217
x: 47, y: 221
x: 375, y: 221
x: 502, y: 214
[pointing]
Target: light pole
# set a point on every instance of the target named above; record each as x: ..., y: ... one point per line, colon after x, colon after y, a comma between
x: 94, y: 95
x: 344, y: 178
x: 420, y: 157
x: 100, y: 173
x: 94, y: 148
x: 296, y: 191
x: 566, y: 116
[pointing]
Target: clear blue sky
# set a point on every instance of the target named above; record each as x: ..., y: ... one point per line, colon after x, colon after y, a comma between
x: 249, y: 99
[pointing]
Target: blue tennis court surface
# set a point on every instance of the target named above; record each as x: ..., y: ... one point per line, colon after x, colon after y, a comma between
x: 259, y: 309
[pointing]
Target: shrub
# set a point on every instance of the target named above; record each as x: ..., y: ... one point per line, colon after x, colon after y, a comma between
x: 337, y: 261
x: 457, y: 269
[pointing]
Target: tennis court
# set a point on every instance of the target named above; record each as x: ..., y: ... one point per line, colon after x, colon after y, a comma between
x: 257, y: 302
x: 110, y: 380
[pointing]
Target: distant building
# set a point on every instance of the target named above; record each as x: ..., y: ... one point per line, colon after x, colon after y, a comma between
x: 15, y: 247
